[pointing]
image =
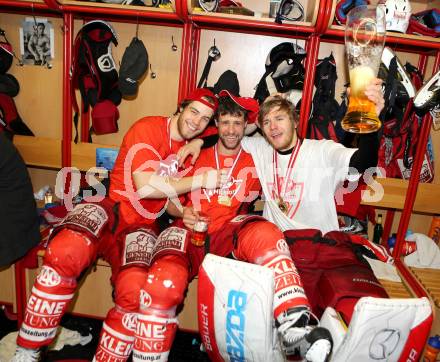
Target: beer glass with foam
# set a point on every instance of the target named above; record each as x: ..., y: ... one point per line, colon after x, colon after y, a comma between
x: 364, y: 41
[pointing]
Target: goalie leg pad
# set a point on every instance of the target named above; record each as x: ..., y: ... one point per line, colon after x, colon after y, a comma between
x: 386, y: 329
x: 235, y: 311
x: 68, y: 254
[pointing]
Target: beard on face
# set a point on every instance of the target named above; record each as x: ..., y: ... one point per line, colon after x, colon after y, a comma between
x: 288, y: 137
x: 227, y: 144
x: 180, y: 126
x: 189, y: 134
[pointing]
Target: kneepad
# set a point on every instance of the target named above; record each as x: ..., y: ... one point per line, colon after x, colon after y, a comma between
x: 128, y: 284
x: 235, y: 311
x: 165, y: 284
x: 69, y: 253
x: 141, y: 247
x: 136, y: 247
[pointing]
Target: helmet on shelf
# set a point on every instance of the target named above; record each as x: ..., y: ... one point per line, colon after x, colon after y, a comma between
x: 344, y: 6
x: 291, y: 10
x: 209, y: 5
x: 397, y: 15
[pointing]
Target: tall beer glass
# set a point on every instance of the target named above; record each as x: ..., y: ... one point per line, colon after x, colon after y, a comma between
x: 364, y: 41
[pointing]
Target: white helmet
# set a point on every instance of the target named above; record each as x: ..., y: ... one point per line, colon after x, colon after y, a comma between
x: 397, y: 14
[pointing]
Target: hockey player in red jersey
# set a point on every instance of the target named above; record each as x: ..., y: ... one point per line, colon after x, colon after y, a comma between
x: 120, y: 229
x: 248, y: 238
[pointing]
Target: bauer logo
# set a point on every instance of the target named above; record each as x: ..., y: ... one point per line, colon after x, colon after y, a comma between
x: 235, y: 324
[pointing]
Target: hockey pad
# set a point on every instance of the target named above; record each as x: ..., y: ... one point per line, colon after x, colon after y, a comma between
x: 239, y: 222
x: 386, y: 330
x: 137, y: 248
x: 333, y: 322
x: 351, y: 281
x: 90, y: 219
x: 173, y: 240
x: 235, y: 311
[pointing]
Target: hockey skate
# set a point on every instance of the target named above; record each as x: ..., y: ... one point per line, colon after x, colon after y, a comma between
x: 26, y: 355
x: 402, y: 75
x: 428, y: 96
x: 298, y: 339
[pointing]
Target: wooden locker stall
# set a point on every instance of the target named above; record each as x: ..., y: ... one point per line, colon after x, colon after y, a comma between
x: 36, y: 106
x: 45, y: 105
x: 244, y: 42
x: 412, y: 202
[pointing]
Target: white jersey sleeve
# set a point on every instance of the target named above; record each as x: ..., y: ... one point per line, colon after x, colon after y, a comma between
x: 253, y: 144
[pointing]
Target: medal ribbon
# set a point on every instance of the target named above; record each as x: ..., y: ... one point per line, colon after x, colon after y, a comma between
x: 289, y: 170
x: 217, y: 165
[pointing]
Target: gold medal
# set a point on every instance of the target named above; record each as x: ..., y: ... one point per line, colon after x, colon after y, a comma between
x: 282, y: 205
x: 224, y: 200
x: 278, y: 187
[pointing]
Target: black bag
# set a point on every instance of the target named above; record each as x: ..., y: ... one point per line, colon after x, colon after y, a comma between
x: 94, y: 72
x: 325, y: 108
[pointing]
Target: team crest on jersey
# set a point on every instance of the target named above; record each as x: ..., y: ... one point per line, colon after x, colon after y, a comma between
x: 90, y: 217
x: 230, y: 189
x: 292, y: 195
x: 138, y: 247
x: 48, y: 277
x: 145, y: 300
x: 170, y: 167
x: 129, y: 321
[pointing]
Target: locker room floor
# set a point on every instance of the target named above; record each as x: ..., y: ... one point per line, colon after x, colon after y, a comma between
x: 186, y: 346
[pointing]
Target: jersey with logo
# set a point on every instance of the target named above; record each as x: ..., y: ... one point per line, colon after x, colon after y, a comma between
x: 221, y: 205
x: 307, y: 186
x: 147, y: 146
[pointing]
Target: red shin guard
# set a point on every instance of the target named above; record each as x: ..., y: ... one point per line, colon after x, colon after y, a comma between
x: 45, y: 308
x: 289, y: 292
x: 117, y: 336
x: 154, y: 337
